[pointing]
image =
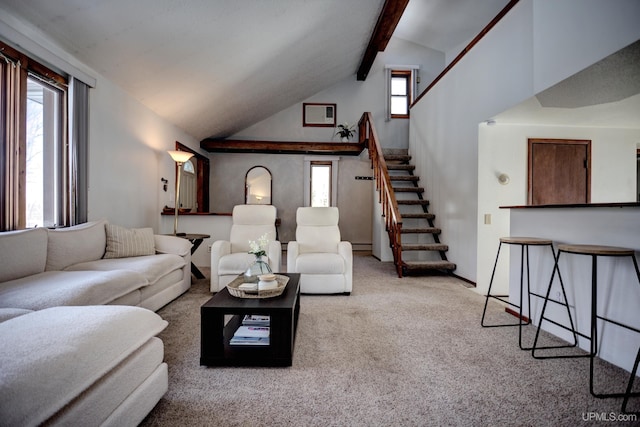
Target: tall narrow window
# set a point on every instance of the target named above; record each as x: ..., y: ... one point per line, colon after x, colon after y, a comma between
x: 320, y: 181
x: 34, y: 175
x: 44, y: 189
x: 321, y: 184
x: 400, y: 93
x: 188, y: 184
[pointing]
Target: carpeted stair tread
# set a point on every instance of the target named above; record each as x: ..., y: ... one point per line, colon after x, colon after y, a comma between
x: 408, y: 189
x: 417, y: 215
x: 426, y: 247
x: 397, y: 157
x: 428, y: 230
x: 393, y: 167
x: 414, y: 266
x: 413, y: 202
x: 410, y: 178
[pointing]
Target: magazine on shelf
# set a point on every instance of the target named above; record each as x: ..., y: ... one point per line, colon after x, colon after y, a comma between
x: 256, y: 320
x: 252, y: 332
x: 249, y: 341
x: 250, y: 335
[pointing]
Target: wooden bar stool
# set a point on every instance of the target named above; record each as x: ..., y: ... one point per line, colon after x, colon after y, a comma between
x: 524, y: 243
x: 594, y: 251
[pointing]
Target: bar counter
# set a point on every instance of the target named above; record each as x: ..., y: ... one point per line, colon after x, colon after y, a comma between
x: 610, y: 224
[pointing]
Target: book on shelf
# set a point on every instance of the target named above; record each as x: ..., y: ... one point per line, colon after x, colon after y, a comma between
x: 249, y: 341
x: 256, y: 320
x: 250, y: 335
x: 252, y: 331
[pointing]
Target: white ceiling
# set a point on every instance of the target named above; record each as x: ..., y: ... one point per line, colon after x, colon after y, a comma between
x: 214, y: 67
x: 445, y: 25
x: 606, y: 94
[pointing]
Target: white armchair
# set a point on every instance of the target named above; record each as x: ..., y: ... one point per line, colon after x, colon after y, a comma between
x: 232, y: 257
x: 324, y: 262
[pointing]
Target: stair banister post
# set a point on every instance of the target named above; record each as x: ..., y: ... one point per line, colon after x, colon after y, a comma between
x: 393, y: 219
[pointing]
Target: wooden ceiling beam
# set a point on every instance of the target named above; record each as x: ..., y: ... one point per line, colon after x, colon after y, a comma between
x: 281, y: 147
x: 387, y: 21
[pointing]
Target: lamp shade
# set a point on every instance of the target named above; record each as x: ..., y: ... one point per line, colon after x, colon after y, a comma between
x: 180, y: 156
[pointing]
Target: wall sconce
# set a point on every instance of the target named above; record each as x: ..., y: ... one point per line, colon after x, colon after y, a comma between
x: 179, y: 157
x: 503, y: 179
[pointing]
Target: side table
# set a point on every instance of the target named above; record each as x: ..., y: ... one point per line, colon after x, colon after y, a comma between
x: 196, y: 241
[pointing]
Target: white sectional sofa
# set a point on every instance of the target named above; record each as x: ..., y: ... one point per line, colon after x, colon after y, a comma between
x: 46, y: 268
x: 77, y: 325
x: 81, y: 366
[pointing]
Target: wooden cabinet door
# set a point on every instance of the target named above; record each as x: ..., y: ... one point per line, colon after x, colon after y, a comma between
x: 559, y: 171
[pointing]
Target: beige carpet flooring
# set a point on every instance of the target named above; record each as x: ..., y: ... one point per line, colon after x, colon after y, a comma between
x: 396, y: 352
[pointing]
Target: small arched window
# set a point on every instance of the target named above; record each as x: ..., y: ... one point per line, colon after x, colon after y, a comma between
x: 188, y: 167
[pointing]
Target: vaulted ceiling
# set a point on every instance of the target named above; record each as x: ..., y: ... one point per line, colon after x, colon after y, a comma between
x: 214, y: 67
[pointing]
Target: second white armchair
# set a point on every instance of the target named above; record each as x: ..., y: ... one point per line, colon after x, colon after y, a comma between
x: 325, y: 263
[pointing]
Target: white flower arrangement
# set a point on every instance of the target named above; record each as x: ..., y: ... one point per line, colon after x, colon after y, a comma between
x: 259, y: 248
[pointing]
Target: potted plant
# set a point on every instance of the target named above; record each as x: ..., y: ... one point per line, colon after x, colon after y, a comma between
x: 345, y: 131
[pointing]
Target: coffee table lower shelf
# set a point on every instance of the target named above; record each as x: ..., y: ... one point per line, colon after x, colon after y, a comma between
x: 283, y: 311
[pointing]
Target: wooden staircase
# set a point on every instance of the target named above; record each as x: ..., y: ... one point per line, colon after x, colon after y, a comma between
x: 422, y: 252
x: 416, y: 245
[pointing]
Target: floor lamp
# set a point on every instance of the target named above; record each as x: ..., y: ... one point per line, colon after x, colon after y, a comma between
x: 179, y: 157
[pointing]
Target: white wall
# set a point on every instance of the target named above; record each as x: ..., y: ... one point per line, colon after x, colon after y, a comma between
x: 127, y: 141
x: 352, y: 98
x: 128, y: 157
x: 380, y: 247
x: 511, y: 63
x: 502, y: 148
x: 570, y: 35
x: 353, y: 199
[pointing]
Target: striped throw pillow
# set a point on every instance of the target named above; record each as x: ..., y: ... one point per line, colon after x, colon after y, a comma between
x: 123, y: 242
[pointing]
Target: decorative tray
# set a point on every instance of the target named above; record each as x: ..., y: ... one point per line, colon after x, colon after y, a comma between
x: 254, y: 293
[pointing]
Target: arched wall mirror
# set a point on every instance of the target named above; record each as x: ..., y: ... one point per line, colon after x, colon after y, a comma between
x: 257, y: 186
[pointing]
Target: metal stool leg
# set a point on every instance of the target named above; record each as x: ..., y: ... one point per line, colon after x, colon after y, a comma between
x: 632, y: 377
x: 500, y: 297
x: 542, y: 318
x: 486, y: 301
x: 523, y: 247
x: 634, y: 371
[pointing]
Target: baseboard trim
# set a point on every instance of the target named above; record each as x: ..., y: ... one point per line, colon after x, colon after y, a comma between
x: 467, y: 281
x: 516, y: 314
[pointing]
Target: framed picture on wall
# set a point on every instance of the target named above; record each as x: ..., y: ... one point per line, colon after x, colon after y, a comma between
x: 317, y: 114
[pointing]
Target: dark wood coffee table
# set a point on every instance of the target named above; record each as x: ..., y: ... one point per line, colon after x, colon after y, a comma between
x: 283, y: 310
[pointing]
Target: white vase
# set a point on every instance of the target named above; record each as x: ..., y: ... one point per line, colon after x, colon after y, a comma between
x: 345, y: 139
